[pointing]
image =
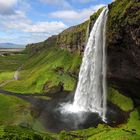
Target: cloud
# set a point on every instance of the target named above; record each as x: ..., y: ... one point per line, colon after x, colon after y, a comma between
x: 18, y: 24
x: 76, y: 16
x: 7, y: 6
x: 63, y: 4
x: 22, y: 23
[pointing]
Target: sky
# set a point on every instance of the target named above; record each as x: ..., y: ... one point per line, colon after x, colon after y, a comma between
x: 31, y: 21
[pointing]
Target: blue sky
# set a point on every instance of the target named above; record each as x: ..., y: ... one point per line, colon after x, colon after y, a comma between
x: 30, y: 21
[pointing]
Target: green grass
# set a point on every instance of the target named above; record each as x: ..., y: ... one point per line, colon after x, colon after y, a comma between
x: 123, y: 102
x: 134, y: 121
x: 11, y: 109
x: 22, y: 133
x: 15, y: 111
x: 53, y: 66
x: 9, y: 64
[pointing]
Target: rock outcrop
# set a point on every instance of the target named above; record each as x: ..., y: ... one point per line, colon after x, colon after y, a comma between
x: 74, y: 38
x: 37, y: 47
x: 123, y: 46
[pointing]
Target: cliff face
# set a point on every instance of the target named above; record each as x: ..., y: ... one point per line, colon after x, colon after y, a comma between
x: 123, y: 46
x: 73, y: 38
x: 37, y: 47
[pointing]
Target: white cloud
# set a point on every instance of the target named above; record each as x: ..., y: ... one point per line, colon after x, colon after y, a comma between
x: 22, y: 23
x: 17, y: 27
x: 6, y: 6
x: 33, y: 31
x: 75, y: 16
x: 47, y: 27
x: 58, y: 3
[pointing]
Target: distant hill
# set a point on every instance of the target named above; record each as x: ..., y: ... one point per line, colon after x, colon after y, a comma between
x: 11, y: 45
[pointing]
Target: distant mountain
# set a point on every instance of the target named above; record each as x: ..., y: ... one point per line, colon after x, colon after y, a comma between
x: 11, y: 45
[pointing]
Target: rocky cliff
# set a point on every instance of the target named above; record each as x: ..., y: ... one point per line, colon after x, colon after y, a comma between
x: 123, y: 46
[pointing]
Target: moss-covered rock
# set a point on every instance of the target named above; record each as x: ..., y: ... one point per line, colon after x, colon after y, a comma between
x: 73, y: 38
x: 38, y: 47
x: 120, y: 100
x: 123, y: 43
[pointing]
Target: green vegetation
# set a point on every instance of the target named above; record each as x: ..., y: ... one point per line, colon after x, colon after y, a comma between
x: 75, y: 35
x: 38, y: 47
x: 134, y: 121
x: 21, y: 133
x: 123, y: 102
x: 48, y: 69
x: 128, y: 131
x: 15, y: 111
x: 12, y: 109
x: 122, y: 14
x: 9, y: 64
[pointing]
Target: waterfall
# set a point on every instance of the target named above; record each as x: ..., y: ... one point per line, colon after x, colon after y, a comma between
x: 90, y: 95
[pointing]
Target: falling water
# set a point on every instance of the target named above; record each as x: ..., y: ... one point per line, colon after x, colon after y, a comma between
x: 90, y: 95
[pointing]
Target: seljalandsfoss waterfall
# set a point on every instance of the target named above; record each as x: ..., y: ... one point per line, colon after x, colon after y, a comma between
x: 90, y: 95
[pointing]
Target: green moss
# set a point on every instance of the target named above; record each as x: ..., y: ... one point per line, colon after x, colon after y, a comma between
x: 37, y: 47
x: 121, y: 15
x: 134, y: 121
x: 123, y: 102
x: 73, y: 36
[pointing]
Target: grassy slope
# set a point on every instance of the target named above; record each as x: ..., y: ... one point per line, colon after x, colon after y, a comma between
x: 9, y: 64
x: 15, y: 111
x: 51, y: 66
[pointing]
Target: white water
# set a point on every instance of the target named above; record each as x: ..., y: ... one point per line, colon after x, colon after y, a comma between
x: 90, y: 95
